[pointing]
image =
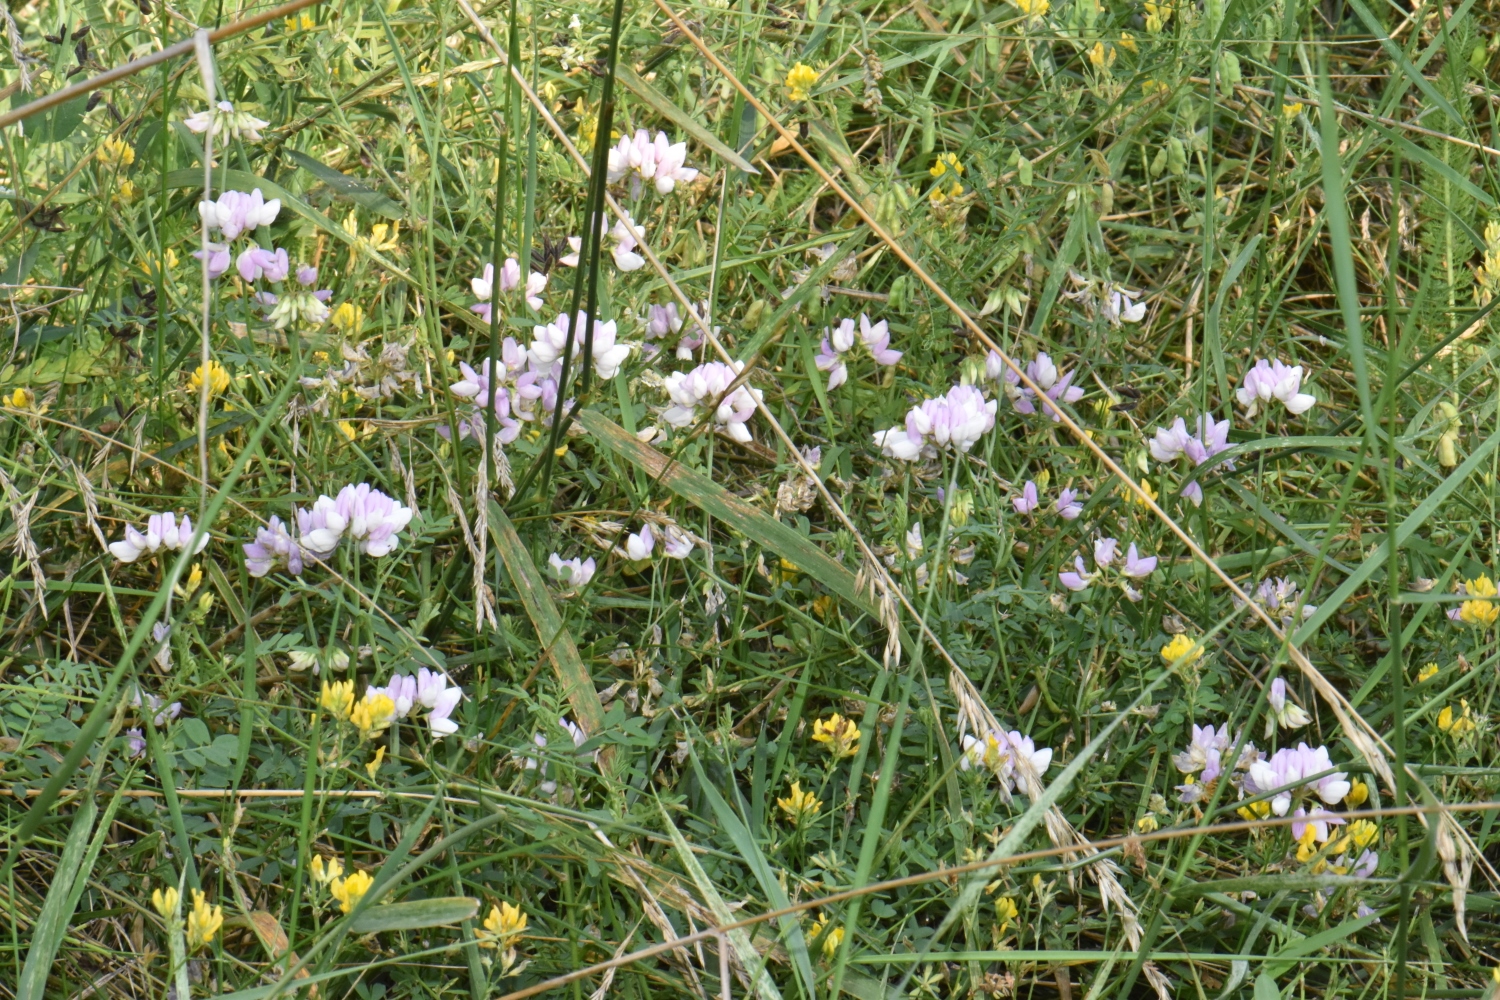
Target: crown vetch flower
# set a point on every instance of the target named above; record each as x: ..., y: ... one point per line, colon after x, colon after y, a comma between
x: 706, y: 385
x: 236, y: 212
x: 840, y: 736
x: 1284, y: 711
x: 375, y: 520
x: 646, y: 160
x: 573, y: 572
x: 510, y: 279
x: 1028, y: 501
x: 550, y: 342
x: 163, y: 531
x: 877, y: 340
x: 440, y: 698
x: 1290, y: 771
x: 1041, y: 370
x: 1068, y: 506
x: 1272, y: 380
x: 219, y: 259
x: 223, y: 118
x: 273, y: 546
x: 959, y: 418
x: 256, y: 263
x: 321, y: 528
x: 640, y: 545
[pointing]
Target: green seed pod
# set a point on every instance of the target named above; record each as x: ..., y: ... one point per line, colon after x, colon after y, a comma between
x: 1229, y: 73
x: 1176, y: 157
x: 1106, y: 198
x: 898, y: 294
x: 1158, y: 164
x: 929, y: 128
x: 1024, y: 172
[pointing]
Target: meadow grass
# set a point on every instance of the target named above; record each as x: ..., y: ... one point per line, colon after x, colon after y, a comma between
x: 1030, y: 460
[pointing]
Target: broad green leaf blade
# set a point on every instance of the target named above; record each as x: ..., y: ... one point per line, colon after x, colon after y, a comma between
x: 1288, y: 956
x: 551, y: 630
x: 352, y: 188
x: 414, y: 915
x: 661, y: 104
x: 52, y: 922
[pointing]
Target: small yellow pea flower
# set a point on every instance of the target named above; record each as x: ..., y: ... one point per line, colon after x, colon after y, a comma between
x: 1427, y: 673
x: 1181, y: 651
x: 349, y: 891
x: 337, y: 697
x: 944, y: 163
x: 1482, y: 609
x: 325, y: 870
x: 1006, y: 911
x: 165, y: 901
x: 373, y: 767
x: 1457, y: 724
x: 128, y: 191
x: 799, y: 806
x: 1148, y: 823
x: 1292, y: 110
x: 348, y: 319
x: 1362, y: 834
x: 203, y: 922
x: 218, y: 378
x: 1102, y: 56
x: 839, y: 735
x: 1157, y: 16
x: 1127, y: 41
x: 300, y: 22
x: 1359, y: 793
x: 800, y: 80
x: 115, y: 153
x: 372, y: 715
x: 831, y: 940
x: 1034, y: 10
x: 503, y: 926
x: 1255, y: 810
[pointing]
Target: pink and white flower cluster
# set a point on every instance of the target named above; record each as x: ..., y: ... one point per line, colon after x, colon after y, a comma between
x: 664, y: 320
x: 1278, y: 596
x: 1058, y: 386
x: 1106, y: 550
x: 958, y: 420
x: 428, y: 689
x: 837, y: 342
x: 1297, y: 772
x: 677, y: 542
x: 367, y: 516
x: 1203, y: 761
x: 1273, y: 380
x: 708, y: 385
x: 654, y: 161
x: 626, y: 234
x: 163, y: 532
x: 572, y: 572
x: 1011, y: 757
x: 1068, y: 505
x: 1172, y: 443
x: 510, y: 280
x: 223, y: 118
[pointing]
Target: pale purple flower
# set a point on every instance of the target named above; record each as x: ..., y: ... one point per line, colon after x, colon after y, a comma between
x: 677, y: 542
x: 1028, y: 501
x: 1105, y: 550
x: 705, y: 386
x: 219, y: 259
x: 256, y: 263
x: 877, y: 340
x: 236, y: 212
x: 1078, y: 580
x: 475, y: 386
x: 550, y: 341
x: 1206, y: 740
x: 639, y: 546
x: 1284, y: 711
x: 402, y: 690
x: 1361, y: 911
x: 1042, y: 371
x: 573, y: 572
x: 161, y: 634
x: 1278, y: 596
x: 1212, y: 438
x: 1194, y: 492
x: 1290, y: 770
x: 135, y: 743
x: 1012, y: 757
x: 375, y: 520
x: 662, y: 320
x: 959, y: 418
x: 307, y: 276
x: 1138, y: 567
x: 1068, y: 506
x: 321, y: 528
x: 1120, y: 308
x: 1321, y: 820
x: 829, y: 360
x: 644, y: 160
x: 273, y: 546
x: 627, y: 234
x: 1170, y: 443
x: 897, y: 443
x: 1269, y: 380
x: 439, y: 697
x: 163, y: 531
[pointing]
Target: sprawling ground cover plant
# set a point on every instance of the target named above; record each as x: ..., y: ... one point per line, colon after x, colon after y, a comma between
x: 662, y: 498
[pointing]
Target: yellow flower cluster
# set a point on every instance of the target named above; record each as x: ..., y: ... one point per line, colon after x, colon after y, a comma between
x: 504, y: 925
x: 799, y: 806
x: 372, y: 715
x: 838, y: 734
x: 1006, y: 912
x: 1487, y: 274
x: 349, y: 891
x: 203, y: 922
x: 348, y: 319
x: 337, y: 698
x: 1457, y: 723
x: 1481, y: 609
x: 1157, y: 16
x: 946, y: 165
x: 800, y: 80
x: 1181, y: 651
x: 115, y: 153
x: 218, y: 378
x: 831, y: 939
x: 1034, y: 10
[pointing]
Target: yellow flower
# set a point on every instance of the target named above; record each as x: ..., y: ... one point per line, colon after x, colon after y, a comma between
x: 1149, y: 87
x: 1006, y: 912
x: 23, y: 399
x: 503, y: 926
x: 1359, y: 793
x: 1034, y: 10
x: 838, y: 734
x: 1134, y: 498
x: 373, y: 767
x: 151, y: 264
x: 165, y: 901
x: 799, y: 806
x: 325, y: 870
x: 302, y: 22
x: 379, y: 241
x: 1307, y: 844
x: 1157, y: 16
x: 1181, y: 651
x: 831, y: 940
x: 1292, y: 110
x: 348, y: 319
x: 218, y: 378
x: 203, y: 922
x: 1148, y: 822
x: 944, y: 163
x: 373, y: 715
x: 337, y: 697
x: 1101, y: 56
x: 1483, y: 610
x: 115, y: 153
x: 1255, y: 810
x: 346, y: 429
x: 1427, y: 673
x: 349, y: 891
x: 1127, y: 41
x: 800, y: 80
x: 1362, y: 834
x: 128, y: 191
x: 1457, y: 724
